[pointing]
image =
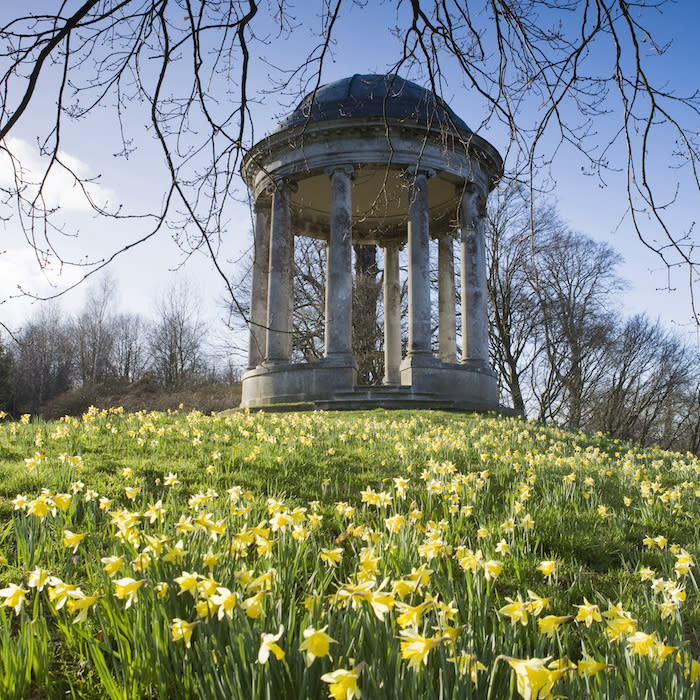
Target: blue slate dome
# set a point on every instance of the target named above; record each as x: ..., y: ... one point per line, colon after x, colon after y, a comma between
x: 374, y: 97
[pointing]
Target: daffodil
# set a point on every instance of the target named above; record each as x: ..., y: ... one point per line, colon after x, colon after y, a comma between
x: 415, y: 647
x: 127, y: 588
x: 62, y: 501
x: 411, y: 614
x: 72, y: 539
x: 588, y: 666
x: 81, y: 604
x: 534, y: 679
x: 331, y: 557
x: 516, y: 610
x: 59, y: 592
x: 535, y: 603
x: 550, y: 624
x: 181, y: 629
x: 502, y: 547
x: 268, y: 645
x: 253, y: 606
x: 171, y: 479
x: 468, y: 664
x: 343, y: 683
x: 316, y: 644
x: 492, y: 569
x: 587, y: 613
x: 112, y: 564
x: 38, y: 578
x: 382, y: 603
x: 210, y: 559
x: 548, y: 568
x: 187, y: 582
x: 14, y: 597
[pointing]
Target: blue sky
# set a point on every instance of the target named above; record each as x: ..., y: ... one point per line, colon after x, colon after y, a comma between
x: 363, y: 45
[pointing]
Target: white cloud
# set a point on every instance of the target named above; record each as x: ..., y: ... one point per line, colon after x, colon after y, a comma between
x: 61, y: 189
x: 22, y: 274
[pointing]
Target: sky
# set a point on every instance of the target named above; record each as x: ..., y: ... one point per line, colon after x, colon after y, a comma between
x: 363, y: 44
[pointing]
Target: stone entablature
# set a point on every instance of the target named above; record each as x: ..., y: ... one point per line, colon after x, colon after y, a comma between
x: 387, y: 182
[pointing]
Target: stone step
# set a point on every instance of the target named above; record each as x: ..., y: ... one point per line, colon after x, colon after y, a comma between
x: 383, y: 397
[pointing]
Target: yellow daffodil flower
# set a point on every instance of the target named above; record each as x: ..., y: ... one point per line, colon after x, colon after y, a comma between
x: 331, y: 557
x: 316, y: 644
x: 468, y: 664
x: 534, y: 679
x: 588, y: 666
x: 268, y: 645
x: 14, y: 597
x: 516, y: 610
x: 187, y: 582
x: 343, y: 683
x: 112, y: 564
x: 415, y: 647
x: 253, y: 605
x: 181, y: 629
x: 587, y: 613
x: 72, y: 539
x: 81, y: 604
x: 550, y: 624
x: 127, y: 588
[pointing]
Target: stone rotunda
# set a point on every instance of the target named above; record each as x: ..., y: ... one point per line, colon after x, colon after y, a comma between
x: 372, y: 159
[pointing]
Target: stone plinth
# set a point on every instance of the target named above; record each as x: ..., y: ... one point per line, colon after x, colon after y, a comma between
x: 277, y: 383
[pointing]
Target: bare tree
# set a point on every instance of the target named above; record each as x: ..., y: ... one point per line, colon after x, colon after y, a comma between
x: 175, y: 341
x: 648, y: 375
x: 552, y: 71
x: 309, y: 294
x: 576, y: 282
x: 515, y: 329
x: 94, y: 333
x: 367, y: 336
x: 6, y: 378
x: 44, y: 360
x: 128, y: 350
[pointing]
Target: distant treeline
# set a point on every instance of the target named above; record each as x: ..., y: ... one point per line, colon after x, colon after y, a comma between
x: 60, y: 364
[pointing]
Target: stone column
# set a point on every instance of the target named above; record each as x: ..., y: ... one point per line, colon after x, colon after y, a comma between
x: 447, y: 300
x: 259, y: 282
x: 392, y: 316
x: 475, y: 339
x: 339, y: 268
x: 418, y: 267
x: 281, y: 274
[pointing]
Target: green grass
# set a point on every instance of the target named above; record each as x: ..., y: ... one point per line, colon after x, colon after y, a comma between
x: 259, y: 501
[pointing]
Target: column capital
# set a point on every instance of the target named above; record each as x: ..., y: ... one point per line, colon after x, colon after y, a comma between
x: 447, y: 233
x: 474, y: 191
x: 410, y: 174
x: 262, y: 204
x: 282, y: 184
x: 344, y: 168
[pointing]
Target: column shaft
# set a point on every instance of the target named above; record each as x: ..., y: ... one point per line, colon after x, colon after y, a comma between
x: 447, y: 300
x: 259, y: 283
x: 392, y: 316
x: 475, y: 338
x: 418, y: 267
x: 280, y: 283
x: 339, y: 267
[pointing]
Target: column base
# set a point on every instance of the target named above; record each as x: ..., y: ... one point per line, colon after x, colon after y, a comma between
x: 472, y: 385
x: 286, y: 382
x: 339, y: 359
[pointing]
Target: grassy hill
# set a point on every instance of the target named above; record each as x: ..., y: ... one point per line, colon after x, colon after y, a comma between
x: 381, y: 554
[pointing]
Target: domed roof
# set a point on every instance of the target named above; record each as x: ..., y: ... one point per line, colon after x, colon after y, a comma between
x: 374, y: 96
